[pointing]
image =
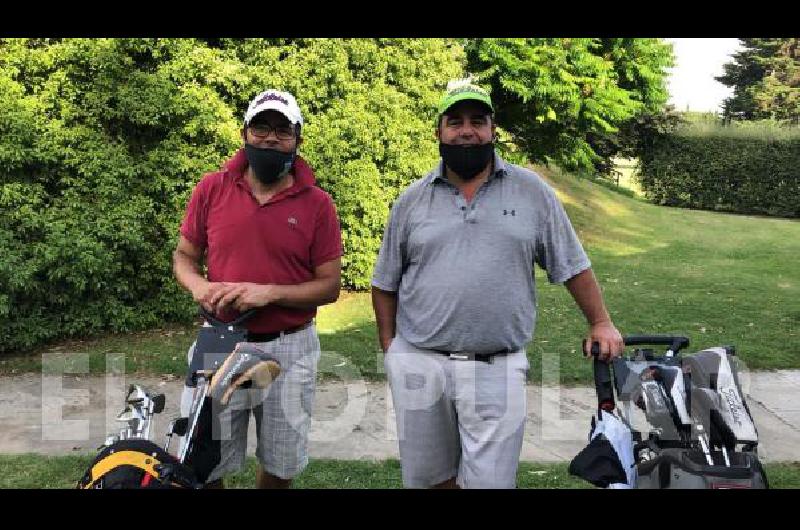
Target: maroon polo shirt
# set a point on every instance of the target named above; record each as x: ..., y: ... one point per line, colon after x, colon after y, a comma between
x: 280, y: 242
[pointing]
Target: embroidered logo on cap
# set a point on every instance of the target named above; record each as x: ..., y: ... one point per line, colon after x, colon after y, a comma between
x: 272, y: 97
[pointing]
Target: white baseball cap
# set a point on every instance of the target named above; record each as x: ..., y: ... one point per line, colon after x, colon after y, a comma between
x: 282, y: 102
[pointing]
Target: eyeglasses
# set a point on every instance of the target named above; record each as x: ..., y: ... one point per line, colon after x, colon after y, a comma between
x: 262, y: 130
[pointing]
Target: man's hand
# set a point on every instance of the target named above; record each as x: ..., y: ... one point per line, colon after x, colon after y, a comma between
x: 208, y: 294
x: 245, y: 295
x: 611, y: 343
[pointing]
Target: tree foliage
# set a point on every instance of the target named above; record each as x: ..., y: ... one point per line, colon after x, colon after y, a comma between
x: 765, y: 76
x: 564, y: 99
x: 102, y: 141
x: 726, y: 169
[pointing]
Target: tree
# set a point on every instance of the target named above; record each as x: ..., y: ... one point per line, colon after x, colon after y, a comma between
x: 564, y: 99
x: 641, y: 66
x: 102, y: 141
x: 765, y: 76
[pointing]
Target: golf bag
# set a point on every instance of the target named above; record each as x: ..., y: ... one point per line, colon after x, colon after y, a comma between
x: 219, y: 366
x: 130, y: 460
x: 136, y: 464
x: 697, y: 431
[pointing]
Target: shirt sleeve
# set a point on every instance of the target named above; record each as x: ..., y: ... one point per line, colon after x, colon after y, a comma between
x: 194, y: 222
x: 327, y: 242
x: 391, y: 257
x: 558, y: 250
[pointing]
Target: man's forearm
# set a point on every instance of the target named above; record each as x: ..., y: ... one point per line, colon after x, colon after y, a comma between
x: 585, y: 290
x: 384, y: 303
x: 186, y: 271
x: 307, y: 295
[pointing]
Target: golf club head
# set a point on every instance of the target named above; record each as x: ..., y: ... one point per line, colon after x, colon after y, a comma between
x: 244, y: 364
x: 136, y: 394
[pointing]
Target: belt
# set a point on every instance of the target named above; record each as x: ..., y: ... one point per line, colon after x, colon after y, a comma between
x: 468, y: 356
x: 266, y: 337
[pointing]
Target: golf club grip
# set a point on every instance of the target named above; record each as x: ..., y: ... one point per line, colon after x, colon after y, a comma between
x: 676, y: 343
x: 602, y: 380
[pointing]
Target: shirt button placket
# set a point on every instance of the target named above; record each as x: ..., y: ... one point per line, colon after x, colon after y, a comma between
x: 461, y: 204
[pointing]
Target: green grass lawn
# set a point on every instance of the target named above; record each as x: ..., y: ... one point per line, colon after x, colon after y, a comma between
x: 719, y: 279
x: 35, y: 471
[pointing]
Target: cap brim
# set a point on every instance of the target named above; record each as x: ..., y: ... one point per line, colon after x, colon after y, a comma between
x: 274, y: 106
x: 458, y: 98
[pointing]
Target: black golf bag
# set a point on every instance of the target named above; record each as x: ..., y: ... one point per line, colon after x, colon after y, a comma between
x: 136, y: 464
x: 696, y: 431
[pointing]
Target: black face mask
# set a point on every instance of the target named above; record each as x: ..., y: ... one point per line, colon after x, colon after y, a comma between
x: 467, y: 161
x: 269, y: 165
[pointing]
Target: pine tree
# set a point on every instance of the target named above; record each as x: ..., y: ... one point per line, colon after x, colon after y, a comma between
x: 765, y: 77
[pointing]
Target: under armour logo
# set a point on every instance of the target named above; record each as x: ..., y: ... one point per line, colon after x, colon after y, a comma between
x: 513, y: 213
x: 292, y: 221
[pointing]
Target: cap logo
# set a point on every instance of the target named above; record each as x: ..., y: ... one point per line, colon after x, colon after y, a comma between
x: 467, y: 89
x: 272, y: 97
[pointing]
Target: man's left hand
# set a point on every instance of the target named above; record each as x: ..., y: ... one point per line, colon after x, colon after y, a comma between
x: 610, y: 339
x: 246, y: 295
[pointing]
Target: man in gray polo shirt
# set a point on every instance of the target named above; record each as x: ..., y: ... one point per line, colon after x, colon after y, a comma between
x: 455, y: 302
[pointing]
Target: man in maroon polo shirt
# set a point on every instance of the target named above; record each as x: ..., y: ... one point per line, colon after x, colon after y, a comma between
x: 271, y: 240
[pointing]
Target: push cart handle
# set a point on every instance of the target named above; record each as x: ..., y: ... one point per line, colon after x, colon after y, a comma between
x: 217, y: 322
x: 675, y: 343
x: 603, y: 384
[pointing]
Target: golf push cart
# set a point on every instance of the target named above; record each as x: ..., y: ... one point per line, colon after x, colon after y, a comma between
x: 670, y: 421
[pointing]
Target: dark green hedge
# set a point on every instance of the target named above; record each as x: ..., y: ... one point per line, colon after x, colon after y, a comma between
x: 752, y: 174
x: 102, y: 141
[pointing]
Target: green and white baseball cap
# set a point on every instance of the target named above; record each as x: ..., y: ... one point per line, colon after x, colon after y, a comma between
x: 463, y: 89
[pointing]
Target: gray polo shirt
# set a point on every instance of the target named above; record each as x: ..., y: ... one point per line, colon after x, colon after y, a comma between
x: 464, y: 273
